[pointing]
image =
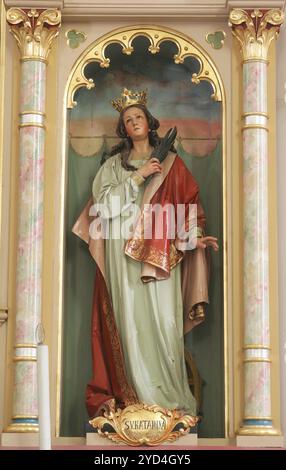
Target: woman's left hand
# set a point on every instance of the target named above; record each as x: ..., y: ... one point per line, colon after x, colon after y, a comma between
x: 203, y: 242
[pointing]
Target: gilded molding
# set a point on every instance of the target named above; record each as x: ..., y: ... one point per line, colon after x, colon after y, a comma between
x: 257, y: 359
x: 25, y: 417
x: 255, y: 30
x: 255, y: 126
x: 32, y: 124
x: 256, y: 113
x: 23, y: 427
x: 268, y: 418
x: 40, y: 113
x: 25, y: 359
x: 258, y: 431
x: 33, y: 58
x: 125, y: 37
x: 34, y: 30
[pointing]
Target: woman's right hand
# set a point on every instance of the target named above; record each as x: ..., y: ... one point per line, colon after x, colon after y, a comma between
x: 150, y: 167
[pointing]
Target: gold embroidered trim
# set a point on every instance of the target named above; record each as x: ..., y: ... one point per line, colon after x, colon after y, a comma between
x: 197, y: 313
x: 128, y: 393
x: 137, y: 250
x: 137, y: 178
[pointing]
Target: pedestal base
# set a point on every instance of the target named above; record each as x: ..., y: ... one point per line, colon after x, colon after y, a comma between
x: 260, y: 441
x: 94, y: 439
x: 18, y: 439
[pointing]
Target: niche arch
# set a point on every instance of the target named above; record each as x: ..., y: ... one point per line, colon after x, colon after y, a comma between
x: 98, y: 53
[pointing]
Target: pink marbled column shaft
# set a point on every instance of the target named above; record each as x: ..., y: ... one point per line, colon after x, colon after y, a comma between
x: 256, y: 269
x: 25, y: 390
x: 30, y: 233
x: 257, y: 389
x: 33, y: 86
x: 257, y: 386
x: 30, y: 240
x: 255, y: 87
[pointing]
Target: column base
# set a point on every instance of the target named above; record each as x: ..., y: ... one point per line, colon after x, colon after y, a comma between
x: 23, y: 427
x: 20, y: 439
x: 258, y: 430
x: 260, y: 441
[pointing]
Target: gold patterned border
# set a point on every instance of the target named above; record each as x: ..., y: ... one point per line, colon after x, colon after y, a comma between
x: 156, y: 36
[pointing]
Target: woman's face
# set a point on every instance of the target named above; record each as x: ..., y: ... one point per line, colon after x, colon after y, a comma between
x: 136, y: 123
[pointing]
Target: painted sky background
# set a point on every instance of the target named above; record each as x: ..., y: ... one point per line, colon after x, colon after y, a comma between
x: 172, y: 98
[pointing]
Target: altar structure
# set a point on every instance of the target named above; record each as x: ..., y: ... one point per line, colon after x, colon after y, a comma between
x: 60, y: 62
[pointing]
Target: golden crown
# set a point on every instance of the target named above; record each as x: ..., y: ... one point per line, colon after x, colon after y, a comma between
x: 129, y: 98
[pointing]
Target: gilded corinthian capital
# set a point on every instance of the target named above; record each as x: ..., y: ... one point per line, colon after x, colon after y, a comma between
x: 254, y: 30
x: 34, y: 30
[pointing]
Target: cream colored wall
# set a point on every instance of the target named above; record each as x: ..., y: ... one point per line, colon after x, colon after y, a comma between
x: 281, y: 171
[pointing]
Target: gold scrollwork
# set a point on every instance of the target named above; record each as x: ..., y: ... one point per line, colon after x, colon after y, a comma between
x: 255, y: 30
x: 185, y: 48
x: 34, y: 30
x: 142, y: 424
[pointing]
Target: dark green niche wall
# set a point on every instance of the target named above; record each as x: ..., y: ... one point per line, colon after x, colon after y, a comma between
x: 174, y: 100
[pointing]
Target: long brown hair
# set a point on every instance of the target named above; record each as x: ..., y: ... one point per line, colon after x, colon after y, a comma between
x: 125, y: 145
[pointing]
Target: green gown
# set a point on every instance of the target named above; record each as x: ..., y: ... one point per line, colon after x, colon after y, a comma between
x: 149, y: 316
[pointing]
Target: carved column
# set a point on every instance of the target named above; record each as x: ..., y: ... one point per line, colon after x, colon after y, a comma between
x: 34, y: 31
x: 255, y: 30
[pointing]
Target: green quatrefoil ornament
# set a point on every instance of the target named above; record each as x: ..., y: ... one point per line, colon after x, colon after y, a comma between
x: 216, y: 39
x: 75, y: 38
